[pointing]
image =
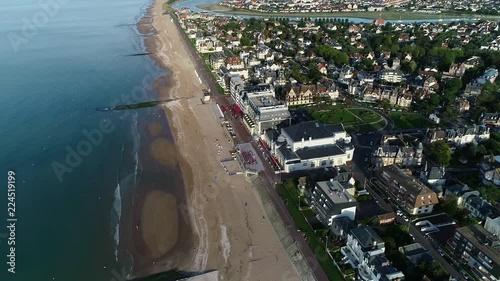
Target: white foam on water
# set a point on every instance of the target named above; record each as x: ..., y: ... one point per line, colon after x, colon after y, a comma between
x: 117, y: 214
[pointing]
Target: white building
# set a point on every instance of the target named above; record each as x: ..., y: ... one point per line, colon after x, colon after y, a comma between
x: 492, y: 224
x: 331, y: 200
x: 261, y: 109
x: 310, y: 145
x: 391, y: 76
x: 364, y: 251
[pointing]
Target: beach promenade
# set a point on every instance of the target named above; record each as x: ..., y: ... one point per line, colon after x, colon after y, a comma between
x: 232, y: 232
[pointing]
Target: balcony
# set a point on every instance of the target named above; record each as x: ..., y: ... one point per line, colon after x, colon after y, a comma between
x: 349, y: 257
x: 365, y: 273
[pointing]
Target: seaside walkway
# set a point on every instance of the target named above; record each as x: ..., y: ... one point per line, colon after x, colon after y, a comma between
x: 298, y: 250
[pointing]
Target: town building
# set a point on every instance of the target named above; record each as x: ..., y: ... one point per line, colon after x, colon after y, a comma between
x: 434, y: 177
x: 394, y: 150
x: 216, y: 60
x: 479, y: 249
x: 477, y: 207
x: 416, y: 254
x: 407, y: 192
x: 329, y: 200
x: 459, y: 136
x: 265, y: 112
x: 310, y: 145
x: 460, y: 192
x: 364, y: 251
x: 492, y: 119
x: 489, y: 169
x: 261, y: 109
x: 303, y: 94
x: 391, y: 76
x: 492, y: 223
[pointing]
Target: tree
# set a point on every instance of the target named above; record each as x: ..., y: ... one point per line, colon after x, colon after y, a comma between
x: 471, y: 151
x: 481, y: 149
x: 434, y: 100
x: 245, y: 41
x: 437, y: 271
x: 450, y: 206
x: 453, y: 85
x: 440, y: 152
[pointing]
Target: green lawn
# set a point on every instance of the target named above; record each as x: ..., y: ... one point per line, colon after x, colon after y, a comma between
x: 404, y: 121
x: 316, y: 245
x: 354, y: 120
x: 333, y: 116
x: 366, y: 115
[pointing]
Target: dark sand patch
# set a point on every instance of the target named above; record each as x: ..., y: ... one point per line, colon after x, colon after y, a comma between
x: 159, y: 222
x: 163, y: 151
x: 155, y: 129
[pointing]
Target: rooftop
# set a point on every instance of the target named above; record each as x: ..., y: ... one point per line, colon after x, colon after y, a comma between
x: 335, y: 192
x: 312, y: 129
x: 482, y: 240
x: 318, y: 152
x: 366, y: 236
x: 265, y: 101
x: 404, y: 180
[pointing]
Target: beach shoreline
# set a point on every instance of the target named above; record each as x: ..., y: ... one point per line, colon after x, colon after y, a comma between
x: 230, y: 231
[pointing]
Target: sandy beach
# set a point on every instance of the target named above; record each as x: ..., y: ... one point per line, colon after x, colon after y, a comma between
x: 230, y: 229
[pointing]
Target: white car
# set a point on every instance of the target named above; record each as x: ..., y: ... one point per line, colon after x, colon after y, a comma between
x: 405, y: 218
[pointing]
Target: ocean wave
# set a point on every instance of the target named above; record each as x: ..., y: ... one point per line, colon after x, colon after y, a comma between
x: 116, y: 215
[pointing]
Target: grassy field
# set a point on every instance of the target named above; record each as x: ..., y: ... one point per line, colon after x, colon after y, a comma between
x: 366, y: 115
x: 404, y: 121
x: 388, y: 15
x: 334, y: 116
x: 354, y: 119
x: 285, y: 190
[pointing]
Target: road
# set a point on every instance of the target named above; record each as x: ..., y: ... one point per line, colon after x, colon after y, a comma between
x: 268, y: 175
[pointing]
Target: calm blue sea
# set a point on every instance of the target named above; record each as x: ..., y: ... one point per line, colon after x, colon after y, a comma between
x: 57, y: 64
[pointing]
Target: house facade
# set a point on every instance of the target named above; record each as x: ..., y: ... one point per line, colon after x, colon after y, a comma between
x: 394, y: 150
x: 477, y: 248
x: 407, y: 192
x: 304, y: 94
x: 364, y: 251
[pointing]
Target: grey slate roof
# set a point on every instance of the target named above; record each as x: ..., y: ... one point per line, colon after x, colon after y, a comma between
x: 366, y: 236
x: 435, y: 173
x: 312, y: 129
x: 317, y: 152
x: 287, y: 153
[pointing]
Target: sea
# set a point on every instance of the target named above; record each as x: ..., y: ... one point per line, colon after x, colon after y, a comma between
x: 74, y: 166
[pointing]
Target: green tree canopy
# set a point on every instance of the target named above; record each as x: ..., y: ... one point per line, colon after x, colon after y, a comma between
x: 440, y: 153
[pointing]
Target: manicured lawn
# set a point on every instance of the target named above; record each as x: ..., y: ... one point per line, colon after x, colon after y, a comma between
x: 366, y: 128
x: 314, y: 242
x: 333, y: 116
x: 366, y: 115
x: 404, y: 121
